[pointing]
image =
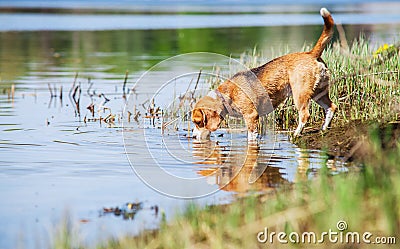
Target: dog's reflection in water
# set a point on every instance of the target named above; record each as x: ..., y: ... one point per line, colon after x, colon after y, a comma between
x: 231, y: 168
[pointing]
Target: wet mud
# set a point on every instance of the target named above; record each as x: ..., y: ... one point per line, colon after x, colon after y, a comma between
x: 351, y: 140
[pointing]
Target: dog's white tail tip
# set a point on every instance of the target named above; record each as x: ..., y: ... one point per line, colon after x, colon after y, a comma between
x: 324, y: 12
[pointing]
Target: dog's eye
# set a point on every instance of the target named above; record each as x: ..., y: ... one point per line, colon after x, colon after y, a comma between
x: 199, y: 123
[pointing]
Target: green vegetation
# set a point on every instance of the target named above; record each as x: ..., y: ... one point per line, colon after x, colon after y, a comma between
x: 364, y: 84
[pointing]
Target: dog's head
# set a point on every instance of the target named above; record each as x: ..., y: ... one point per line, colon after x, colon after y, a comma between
x: 206, y: 117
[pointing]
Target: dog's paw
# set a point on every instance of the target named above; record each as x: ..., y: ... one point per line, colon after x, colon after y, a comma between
x: 253, y: 136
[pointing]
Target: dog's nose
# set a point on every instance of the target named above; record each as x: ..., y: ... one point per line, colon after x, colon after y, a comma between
x: 196, y: 133
x: 201, y: 134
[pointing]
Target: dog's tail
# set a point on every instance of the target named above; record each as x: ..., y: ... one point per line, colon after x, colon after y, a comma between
x: 326, y: 35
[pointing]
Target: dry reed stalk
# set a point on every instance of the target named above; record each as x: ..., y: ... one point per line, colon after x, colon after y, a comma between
x: 125, y: 81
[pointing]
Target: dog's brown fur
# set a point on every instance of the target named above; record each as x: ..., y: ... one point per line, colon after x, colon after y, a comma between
x: 303, y: 75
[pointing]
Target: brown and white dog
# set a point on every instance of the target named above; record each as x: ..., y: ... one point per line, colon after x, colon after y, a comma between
x: 260, y: 90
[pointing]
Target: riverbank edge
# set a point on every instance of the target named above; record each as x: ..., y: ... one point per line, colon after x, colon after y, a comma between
x: 349, y: 140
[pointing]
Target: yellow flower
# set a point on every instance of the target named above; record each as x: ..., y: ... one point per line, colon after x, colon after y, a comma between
x: 385, y: 48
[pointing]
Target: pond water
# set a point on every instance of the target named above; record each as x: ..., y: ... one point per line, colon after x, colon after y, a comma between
x: 58, y: 159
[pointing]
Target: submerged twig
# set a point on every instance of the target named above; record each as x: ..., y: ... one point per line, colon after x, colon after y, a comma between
x: 125, y: 81
x: 76, y: 99
x: 73, y: 84
x: 105, y: 98
x: 89, y: 88
x: 52, y: 95
x: 102, y: 106
x: 109, y: 119
x: 91, y: 109
x: 197, y: 83
x: 129, y: 116
x: 61, y: 93
x: 136, y: 117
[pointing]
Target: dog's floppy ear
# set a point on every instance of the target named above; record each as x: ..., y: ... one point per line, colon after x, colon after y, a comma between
x: 199, y: 118
x: 213, y: 120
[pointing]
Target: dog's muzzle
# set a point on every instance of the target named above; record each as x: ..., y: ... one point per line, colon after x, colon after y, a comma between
x: 201, y: 134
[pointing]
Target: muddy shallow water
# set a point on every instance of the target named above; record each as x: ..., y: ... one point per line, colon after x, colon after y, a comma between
x: 59, y: 159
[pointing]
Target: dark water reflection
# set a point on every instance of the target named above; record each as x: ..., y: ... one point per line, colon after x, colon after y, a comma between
x: 275, y: 162
x: 234, y: 171
x: 63, y: 53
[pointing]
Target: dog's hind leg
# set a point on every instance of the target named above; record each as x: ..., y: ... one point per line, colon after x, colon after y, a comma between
x: 325, y: 102
x: 302, y: 103
x: 252, y: 118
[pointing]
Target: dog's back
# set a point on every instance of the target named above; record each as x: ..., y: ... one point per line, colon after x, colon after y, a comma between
x: 281, y: 75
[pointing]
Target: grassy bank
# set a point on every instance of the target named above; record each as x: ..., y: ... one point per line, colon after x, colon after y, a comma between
x: 364, y: 84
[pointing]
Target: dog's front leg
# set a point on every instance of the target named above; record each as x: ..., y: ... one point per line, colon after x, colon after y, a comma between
x: 252, y: 126
x: 253, y: 135
x: 304, y: 114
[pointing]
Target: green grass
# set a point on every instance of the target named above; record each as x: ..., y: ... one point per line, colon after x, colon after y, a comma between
x: 364, y: 84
